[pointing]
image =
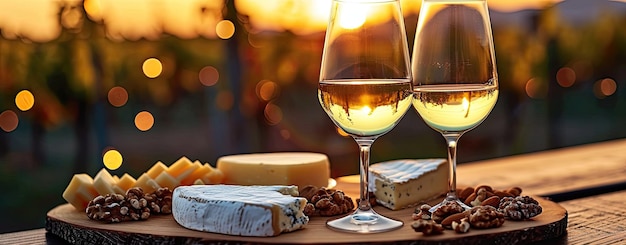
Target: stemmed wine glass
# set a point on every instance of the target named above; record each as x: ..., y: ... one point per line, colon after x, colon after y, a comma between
x: 455, y: 81
x: 365, y: 87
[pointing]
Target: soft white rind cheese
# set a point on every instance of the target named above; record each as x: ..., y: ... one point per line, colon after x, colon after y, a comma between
x: 404, y: 183
x: 239, y: 210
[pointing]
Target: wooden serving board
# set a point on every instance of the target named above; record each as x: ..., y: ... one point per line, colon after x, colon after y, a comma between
x: 74, y: 226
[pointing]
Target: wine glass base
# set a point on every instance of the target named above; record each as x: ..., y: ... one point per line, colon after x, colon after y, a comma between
x: 364, y: 222
x: 448, y: 200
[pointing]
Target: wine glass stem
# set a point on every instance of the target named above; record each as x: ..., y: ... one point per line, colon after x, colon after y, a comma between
x: 452, y: 140
x: 364, y: 158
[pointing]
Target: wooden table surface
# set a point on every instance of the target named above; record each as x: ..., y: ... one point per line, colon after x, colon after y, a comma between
x: 589, y: 181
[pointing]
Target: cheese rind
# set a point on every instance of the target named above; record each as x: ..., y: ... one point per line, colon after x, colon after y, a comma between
x: 405, y: 183
x: 239, y: 210
x: 278, y: 168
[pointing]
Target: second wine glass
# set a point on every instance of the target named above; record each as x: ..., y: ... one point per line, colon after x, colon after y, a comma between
x: 365, y: 88
x: 455, y: 81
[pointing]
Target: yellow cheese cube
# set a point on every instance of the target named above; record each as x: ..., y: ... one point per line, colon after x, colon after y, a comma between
x: 156, y: 169
x: 146, y: 183
x: 80, y: 191
x: 126, y: 182
x: 198, y: 182
x: 198, y: 173
x: 104, y: 182
x: 166, y: 180
x: 179, y: 167
x: 214, y: 177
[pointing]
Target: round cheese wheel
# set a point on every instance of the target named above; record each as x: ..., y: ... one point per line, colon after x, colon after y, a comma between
x: 279, y: 168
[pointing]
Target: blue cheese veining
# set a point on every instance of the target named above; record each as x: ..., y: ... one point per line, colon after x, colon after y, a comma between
x: 405, y: 183
x: 239, y: 210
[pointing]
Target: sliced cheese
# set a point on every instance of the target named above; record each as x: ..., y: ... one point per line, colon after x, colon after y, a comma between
x: 199, y: 171
x: 166, y: 180
x: 80, y: 191
x: 239, y: 210
x: 180, y: 167
x: 126, y: 182
x: 405, y: 183
x: 156, y: 169
x: 281, y: 168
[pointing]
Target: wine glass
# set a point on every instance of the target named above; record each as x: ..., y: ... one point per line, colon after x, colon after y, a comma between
x: 455, y: 81
x: 365, y: 88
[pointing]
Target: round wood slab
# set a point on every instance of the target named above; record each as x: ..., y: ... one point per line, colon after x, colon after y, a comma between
x: 74, y: 226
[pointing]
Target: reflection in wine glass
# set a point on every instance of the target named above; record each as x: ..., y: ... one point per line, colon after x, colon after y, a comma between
x: 455, y: 81
x: 365, y: 88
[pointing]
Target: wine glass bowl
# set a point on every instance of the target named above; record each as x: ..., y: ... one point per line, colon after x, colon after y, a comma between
x: 365, y: 88
x: 455, y: 81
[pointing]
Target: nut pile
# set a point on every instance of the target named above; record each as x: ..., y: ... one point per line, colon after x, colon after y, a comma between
x: 134, y: 205
x: 325, y: 202
x: 489, y: 209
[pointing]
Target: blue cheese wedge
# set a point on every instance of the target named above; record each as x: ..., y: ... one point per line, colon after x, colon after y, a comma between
x: 405, y: 183
x: 239, y: 210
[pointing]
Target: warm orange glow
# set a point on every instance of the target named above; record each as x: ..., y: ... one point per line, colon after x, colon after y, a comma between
x: 8, y: 120
x: 266, y: 90
x: 285, y: 134
x: 152, y: 67
x: 24, y: 100
x: 144, y: 121
x: 273, y: 114
x: 112, y: 159
x: 208, y: 76
x: 225, y: 100
x: 604, y: 88
x: 535, y: 90
x: 117, y: 96
x: 342, y: 133
x: 566, y: 77
x: 225, y: 29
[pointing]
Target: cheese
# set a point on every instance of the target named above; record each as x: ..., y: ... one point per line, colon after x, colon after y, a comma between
x: 399, y: 184
x: 104, y: 183
x: 146, y: 183
x: 156, y: 169
x: 80, y: 191
x: 239, y: 210
x: 284, y: 168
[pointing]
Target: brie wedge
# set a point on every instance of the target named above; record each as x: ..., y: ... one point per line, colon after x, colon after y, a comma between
x: 405, y: 183
x: 239, y: 210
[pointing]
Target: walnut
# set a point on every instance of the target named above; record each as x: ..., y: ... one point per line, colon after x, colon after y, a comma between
x: 449, y: 208
x: 326, y: 202
x: 427, y: 227
x: 462, y: 226
x: 134, y: 205
x: 484, y: 217
x: 520, y: 207
x: 422, y: 213
x: 481, y: 195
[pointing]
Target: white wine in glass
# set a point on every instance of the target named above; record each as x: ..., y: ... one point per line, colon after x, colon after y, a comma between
x: 455, y: 81
x: 365, y: 88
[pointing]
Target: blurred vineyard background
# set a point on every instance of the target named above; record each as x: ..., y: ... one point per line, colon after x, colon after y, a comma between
x: 157, y: 80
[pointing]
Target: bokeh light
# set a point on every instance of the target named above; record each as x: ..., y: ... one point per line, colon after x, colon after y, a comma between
x: 144, y: 121
x: 535, y: 89
x: 208, y: 76
x: 112, y: 159
x: 285, y: 134
x: 152, y: 67
x: 566, y: 77
x: 604, y: 88
x: 117, y: 96
x: 266, y: 90
x: 273, y: 114
x: 225, y: 29
x: 24, y: 100
x: 8, y: 120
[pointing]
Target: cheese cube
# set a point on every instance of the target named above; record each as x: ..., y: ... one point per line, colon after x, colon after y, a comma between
x: 80, y: 191
x: 405, y: 183
x: 214, y: 177
x: 146, y: 183
x: 179, y: 167
x: 166, y: 180
x: 126, y: 182
x: 104, y: 182
x: 199, y: 171
x: 156, y: 169
x: 280, y: 168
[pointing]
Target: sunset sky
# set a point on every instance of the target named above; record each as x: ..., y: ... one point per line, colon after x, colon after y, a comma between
x: 37, y: 19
